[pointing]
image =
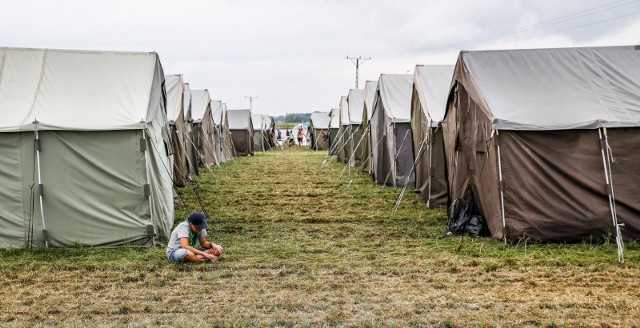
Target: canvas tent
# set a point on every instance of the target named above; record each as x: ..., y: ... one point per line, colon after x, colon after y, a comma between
x: 334, y: 128
x: 319, y: 130
x: 241, y: 128
x: 203, y: 127
x: 390, y: 124
x: 370, y: 88
x: 84, y: 146
x: 542, y: 139
x: 175, y: 115
x: 343, y: 133
x: 191, y: 148
x: 222, y: 154
x: 355, y: 101
x: 226, y: 133
x: 428, y: 105
x: 263, y: 127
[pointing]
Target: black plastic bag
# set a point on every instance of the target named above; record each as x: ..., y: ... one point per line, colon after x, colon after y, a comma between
x: 463, y: 217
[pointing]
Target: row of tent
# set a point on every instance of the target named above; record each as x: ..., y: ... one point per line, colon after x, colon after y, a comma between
x: 544, y: 142
x: 92, y: 144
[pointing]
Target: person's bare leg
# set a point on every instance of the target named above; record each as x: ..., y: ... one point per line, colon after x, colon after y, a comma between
x: 190, y: 257
x: 214, y: 252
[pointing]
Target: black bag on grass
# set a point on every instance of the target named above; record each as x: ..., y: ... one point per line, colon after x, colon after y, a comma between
x: 463, y: 217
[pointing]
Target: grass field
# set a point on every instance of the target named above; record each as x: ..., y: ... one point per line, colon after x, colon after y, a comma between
x: 305, y: 250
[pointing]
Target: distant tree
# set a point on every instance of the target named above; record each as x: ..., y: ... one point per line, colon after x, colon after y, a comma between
x: 293, y: 118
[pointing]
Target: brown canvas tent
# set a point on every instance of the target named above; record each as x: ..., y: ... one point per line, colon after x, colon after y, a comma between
x: 241, y: 128
x: 392, y: 158
x: 428, y: 104
x: 542, y: 139
x: 175, y: 116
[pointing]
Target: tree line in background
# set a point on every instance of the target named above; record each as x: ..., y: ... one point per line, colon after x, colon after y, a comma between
x: 292, y: 118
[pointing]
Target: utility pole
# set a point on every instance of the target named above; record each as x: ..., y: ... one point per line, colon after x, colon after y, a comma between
x: 251, y: 98
x: 357, y: 61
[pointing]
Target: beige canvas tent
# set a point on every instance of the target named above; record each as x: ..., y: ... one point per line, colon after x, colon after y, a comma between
x: 370, y: 88
x: 241, y: 128
x: 334, y: 129
x: 546, y: 141
x: 223, y: 154
x: 84, y: 145
x: 192, y: 149
x: 174, y: 86
x: 428, y: 105
x: 263, y: 132
x: 319, y: 129
x: 342, y: 138
x: 203, y: 127
x: 390, y: 124
x: 355, y: 103
x: 226, y: 133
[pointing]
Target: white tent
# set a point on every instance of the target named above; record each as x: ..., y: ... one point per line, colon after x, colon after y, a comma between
x: 83, y: 135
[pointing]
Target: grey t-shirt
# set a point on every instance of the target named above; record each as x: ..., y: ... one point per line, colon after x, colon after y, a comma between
x: 181, y: 231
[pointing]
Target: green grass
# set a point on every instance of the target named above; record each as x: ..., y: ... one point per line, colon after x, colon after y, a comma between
x: 302, y: 249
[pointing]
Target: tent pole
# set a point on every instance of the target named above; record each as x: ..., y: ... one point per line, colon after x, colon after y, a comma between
x: 45, y: 234
x: 430, y: 150
x: 501, y: 186
x: 605, y: 150
x: 146, y: 168
x: 406, y: 181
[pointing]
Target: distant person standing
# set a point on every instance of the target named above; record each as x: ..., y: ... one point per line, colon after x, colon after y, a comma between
x: 279, y: 134
x: 300, y: 136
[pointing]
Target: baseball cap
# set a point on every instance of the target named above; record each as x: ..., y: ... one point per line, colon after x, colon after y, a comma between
x: 198, y: 221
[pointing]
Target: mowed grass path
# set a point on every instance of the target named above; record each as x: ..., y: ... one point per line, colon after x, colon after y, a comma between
x: 305, y: 250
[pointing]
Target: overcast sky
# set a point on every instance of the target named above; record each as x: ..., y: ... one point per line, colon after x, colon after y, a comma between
x: 291, y: 54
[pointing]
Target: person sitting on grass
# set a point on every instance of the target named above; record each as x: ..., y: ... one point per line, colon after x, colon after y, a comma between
x: 186, y: 235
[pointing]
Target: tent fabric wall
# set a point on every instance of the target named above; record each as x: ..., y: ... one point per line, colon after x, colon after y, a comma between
x: 391, y: 137
x: 370, y: 88
x: 217, y: 113
x: 343, y: 131
x: 191, y: 148
x: 241, y: 129
x: 334, y: 129
x: 263, y: 127
x: 174, y: 86
x: 552, y: 164
x: 226, y: 134
x: 203, y: 127
x: 355, y: 102
x: 428, y: 105
x: 101, y: 186
x: 319, y: 123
